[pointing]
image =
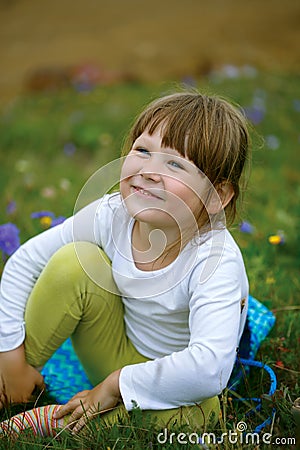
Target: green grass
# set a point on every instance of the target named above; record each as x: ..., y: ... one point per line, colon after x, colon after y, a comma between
x: 36, y: 173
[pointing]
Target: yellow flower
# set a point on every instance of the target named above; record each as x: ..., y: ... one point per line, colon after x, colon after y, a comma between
x: 275, y: 239
x: 270, y: 280
x: 46, y: 221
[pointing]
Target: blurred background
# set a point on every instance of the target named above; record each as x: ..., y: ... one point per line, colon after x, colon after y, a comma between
x: 43, y: 43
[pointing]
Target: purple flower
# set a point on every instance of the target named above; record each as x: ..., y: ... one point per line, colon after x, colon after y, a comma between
x: 256, y: 111
x: 57, y: 221
x: 69, y: 149
x: 40, y: 214
x: 246, y: 227
x: 231, y: 71
x: 296, y: 104
x: 272, y: 142
x: 9, y: 238
x: 255, y: 114
x: 11, y: 207
x: 189, y: 81
x: 47, y: 218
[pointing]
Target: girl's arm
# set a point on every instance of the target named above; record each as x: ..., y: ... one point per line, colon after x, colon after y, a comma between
x: 202, y: 369
x: 19, y: 276
x: 18, y: 379
x: 25, y: 265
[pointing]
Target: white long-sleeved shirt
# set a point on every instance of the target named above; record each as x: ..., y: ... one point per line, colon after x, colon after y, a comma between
x: 186, y: 317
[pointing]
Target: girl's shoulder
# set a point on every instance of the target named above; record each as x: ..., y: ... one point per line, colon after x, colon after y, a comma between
x: 216, y: 241
x: 216, y: 254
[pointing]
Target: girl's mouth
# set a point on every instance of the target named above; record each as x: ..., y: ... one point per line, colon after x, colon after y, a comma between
x: 145, y: 192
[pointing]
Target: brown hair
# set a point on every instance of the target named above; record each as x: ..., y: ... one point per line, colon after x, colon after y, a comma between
x: 208, y: 130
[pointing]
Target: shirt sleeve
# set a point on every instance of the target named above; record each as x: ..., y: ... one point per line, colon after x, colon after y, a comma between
x: 203, y: 368
x: 25, y: 265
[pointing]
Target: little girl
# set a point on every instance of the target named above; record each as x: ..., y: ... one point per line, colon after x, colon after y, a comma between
x: 148, y: 282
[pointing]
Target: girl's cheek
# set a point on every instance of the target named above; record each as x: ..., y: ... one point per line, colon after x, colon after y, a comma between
x: 124, y: 188
x: 129, y: 167
x: 125, y: 174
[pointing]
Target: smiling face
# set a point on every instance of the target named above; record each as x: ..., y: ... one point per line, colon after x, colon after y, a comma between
x: 208, y: 131
x: 159, y: 186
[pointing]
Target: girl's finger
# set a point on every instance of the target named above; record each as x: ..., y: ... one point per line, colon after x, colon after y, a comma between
x: 80, y: 424
x: 80, y: 411
x: 67, y: 408
x: 82, y: 421
x: 59, y: 413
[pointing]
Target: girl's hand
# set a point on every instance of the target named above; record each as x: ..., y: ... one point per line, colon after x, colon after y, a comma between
x: 86, y: 404
x: 18, y: 379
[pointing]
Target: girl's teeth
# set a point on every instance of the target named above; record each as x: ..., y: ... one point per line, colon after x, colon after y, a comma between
x: 145, y: 192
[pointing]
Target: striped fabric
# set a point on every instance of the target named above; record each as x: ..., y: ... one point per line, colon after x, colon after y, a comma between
x: 39, y: 420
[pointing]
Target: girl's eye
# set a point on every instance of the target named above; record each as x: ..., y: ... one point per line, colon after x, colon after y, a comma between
x: 176, y: 165
x: 142, y: 150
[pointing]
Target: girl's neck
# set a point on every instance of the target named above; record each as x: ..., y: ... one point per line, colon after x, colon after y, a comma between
x: 153, y: 248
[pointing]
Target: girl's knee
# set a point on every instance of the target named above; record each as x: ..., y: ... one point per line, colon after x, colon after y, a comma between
x: 64, y: 264
x: 82, y: 261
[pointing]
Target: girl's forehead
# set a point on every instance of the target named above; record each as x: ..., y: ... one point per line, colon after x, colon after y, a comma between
x: 155, y: 140
x: 162, y: 132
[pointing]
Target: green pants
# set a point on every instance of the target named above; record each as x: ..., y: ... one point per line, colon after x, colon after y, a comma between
x: 66, y: 302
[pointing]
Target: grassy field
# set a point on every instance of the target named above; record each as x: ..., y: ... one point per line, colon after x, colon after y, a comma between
x: 51, y: 143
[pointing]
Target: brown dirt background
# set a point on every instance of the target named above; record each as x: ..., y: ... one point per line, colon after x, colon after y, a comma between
x: 153, y: 40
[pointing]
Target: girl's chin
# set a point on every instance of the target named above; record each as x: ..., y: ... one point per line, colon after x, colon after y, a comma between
x: 154, y: 217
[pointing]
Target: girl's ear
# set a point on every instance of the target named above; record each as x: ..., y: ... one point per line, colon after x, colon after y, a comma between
x: 220, y: 197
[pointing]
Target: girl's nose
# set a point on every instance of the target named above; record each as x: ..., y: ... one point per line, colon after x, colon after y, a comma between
x: 150, y: 176
x: 152, y: 169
